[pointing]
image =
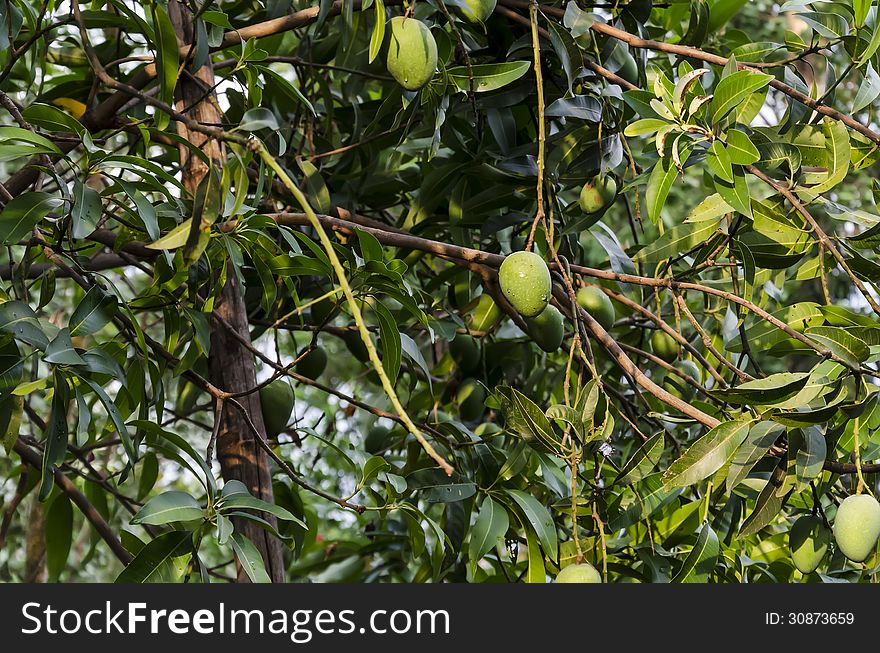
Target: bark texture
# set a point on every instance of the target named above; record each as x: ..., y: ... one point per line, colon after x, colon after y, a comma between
x: 231, y: 364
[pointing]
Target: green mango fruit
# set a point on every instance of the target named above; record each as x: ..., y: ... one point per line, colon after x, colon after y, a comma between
x: 525, y: 282
x: 465, y: 350
x: 313, y: 364
x: 598, y: 194
x: 356, y: 346
x: 579, y: 573
x: 412, y: 53
x: 276, y: 400
x: 597, y: 304
x: 482, y: 315
x: 548, y: 329
x: 469, y: 398
x: 376, y: 439
x: 664, y: 346
x: 857, y: 526
x: 476, y: 11
x: 808, y: 541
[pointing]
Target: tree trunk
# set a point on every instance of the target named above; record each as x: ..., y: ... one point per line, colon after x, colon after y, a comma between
x: 232, y: 366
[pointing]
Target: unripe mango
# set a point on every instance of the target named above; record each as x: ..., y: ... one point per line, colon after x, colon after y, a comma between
x: 466, y: 352
x: 276, y: 401
x: 483, y: 314
x: 548, y: 329
x: 857, y: 526
x: 579, y: 573
x: 470, y: 398
x: 598, y: 194
x: 412, y: 53
x: 476, y: 11
x: 808, y: 540
x: 597, y: 304
x: 525, y: 282
x: 664, y: 346
x: 313, y: 364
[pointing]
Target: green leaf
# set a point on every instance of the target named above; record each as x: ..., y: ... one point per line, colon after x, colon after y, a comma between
x: 759, y: 440
x: 175, y: 238
x: 162, y: 560
x: 736, y: 194
x: 249, y: 559
x: 36, y: 144
x: 169, y: 507
x: 52, y: 119
x: 642, y: 461
x: 61, y: 351
x: 659, y: 184
x: 644, y: 126
x: 57, y: 434
x: 844, y: 344
x: 390, y: 339
x: 95, y: 310
x: 719, y: 161
x: 167, y: 53
x: 698, y: 566
x: 523, y: 417
x: 811, y: 452
x: 437, y: 487
x: 315, y: 188
x: 22, y: 213
x: 87, y: 210
x: 733, y: 90
x: 740, y: 148
x: 491, y: 525
x: 767, y: 391
x: 378, y: 34
x: 257, y: 119
x: 707, y: 455
x: 488, y: 76
x: 59, y: 535
x: 768, y: 504
x: 540, y: 520
x: 838, y: 148
x: 19, y: 320
x: 869, y: 90
x: 681, y: 238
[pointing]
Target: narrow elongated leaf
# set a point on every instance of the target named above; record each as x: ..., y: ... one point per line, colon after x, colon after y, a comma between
x: 540, y: 520
x: 249, y: 559
x: 491, y: 525
x: 642, y: 461
x: 700, y: 563
x: 22, y: 213
x: 707, y: 455
x: 733, y: 90
x: 168, y: 507
x: 489, y: 76
x: 767, y: 505
x: 767, y: 391
x: 760, y: 438
x: 659, y: 184
x: 162, y: 560
x: 59, y: 535
x: 95, y: 310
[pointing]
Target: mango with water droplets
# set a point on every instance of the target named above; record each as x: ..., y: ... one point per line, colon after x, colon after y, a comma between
x: 412, y: 53
x: 525, y: 281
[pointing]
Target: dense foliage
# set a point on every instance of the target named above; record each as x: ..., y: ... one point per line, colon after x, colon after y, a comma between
x: 253, y: 325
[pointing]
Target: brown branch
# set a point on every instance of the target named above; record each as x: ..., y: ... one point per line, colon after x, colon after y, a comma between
x: 103, y: 529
